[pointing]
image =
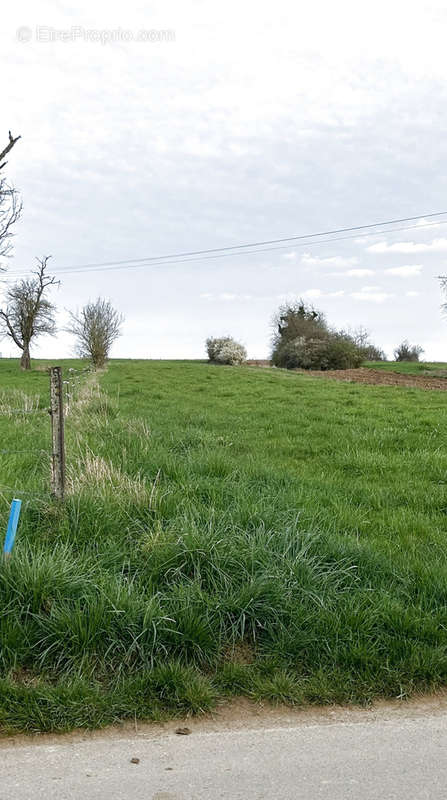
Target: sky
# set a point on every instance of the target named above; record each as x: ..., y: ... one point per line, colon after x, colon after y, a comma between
x: 164, y: 127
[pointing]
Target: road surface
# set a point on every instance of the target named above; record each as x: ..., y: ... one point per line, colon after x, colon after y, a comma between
x: 397, y: 754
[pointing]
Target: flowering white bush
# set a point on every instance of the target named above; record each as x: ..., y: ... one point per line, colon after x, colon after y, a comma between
x: 213, y: 346
x: 231, y: 353
x: 225, y: 351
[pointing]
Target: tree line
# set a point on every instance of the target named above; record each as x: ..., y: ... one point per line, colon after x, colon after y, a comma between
x: 27, y: 312
x: 303, y: 339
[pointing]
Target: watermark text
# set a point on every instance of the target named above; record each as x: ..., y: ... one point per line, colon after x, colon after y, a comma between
x: 77, y: 33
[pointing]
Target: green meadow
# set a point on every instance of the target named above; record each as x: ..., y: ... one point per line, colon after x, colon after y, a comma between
x: 226, y: 531
x: 432, y: 369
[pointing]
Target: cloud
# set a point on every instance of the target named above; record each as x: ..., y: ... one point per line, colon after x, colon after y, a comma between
x: 425, y: 221
x: 226, y: 297
x: 406, y: 271
x: 308, y: 294
x: 370, y: 297
x: 436, y: 246
x: 312, y: 294
x: 371, y: 294
x: 412, y: 294
x: 354, y: 273
x: 332, y: 261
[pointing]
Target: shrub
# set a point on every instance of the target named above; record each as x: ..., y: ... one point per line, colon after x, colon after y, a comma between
x: 371, y: 352
x: 408, y: 352
x: 213, y: 346
x: 232, y: 353
x: 341, y: 352
x: 295, y: 320
x: 225, y: 351
x: 337, y: 351
x: 96, y: 327
x: 303, y: 340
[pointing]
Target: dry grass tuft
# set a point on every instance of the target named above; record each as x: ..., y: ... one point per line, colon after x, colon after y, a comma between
x: 16, y: 400
x: 137, y: 427
x: 92, y: 472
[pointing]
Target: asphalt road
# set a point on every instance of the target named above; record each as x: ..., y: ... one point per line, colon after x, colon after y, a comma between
x: 369, y: 757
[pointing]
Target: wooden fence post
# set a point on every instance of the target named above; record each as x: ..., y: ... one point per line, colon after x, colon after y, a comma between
x: 57, y: 433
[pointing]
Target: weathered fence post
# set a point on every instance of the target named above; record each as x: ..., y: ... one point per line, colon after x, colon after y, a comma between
x: 57, y: 433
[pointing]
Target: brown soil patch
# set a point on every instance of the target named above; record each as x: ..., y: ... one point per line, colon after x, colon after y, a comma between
x: 374, y: 377
x: 378, y: 377
x: 258, y: 362
x: 240, y: 653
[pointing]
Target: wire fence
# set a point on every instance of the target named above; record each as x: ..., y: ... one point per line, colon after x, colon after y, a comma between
x: 22, y: 411
x: 17, y: 491
x: 15, y: 452
x: 71, y: 388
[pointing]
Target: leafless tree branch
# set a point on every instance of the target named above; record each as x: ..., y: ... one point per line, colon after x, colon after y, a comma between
x: 10, y: 204
x: 9, y: 146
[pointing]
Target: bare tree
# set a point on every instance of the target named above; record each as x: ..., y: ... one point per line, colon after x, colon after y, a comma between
x: 28, y: 313
x: 10, y: 205
x: 96, y: 327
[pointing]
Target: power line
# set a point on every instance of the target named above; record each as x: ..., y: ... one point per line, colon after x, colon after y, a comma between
x: 246, y: 252
x: 222, y: 252
x: 263, y: 243
x: 226, y: 255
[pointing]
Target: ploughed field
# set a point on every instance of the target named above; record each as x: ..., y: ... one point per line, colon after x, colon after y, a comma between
x: 226, y: 531
x: 423, y: 379
x: 421, y: 375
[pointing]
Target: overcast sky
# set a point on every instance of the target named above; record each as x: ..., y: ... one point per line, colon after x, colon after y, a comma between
x: 246, y: 122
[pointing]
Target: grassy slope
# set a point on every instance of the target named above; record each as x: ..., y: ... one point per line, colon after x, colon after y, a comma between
x: 435, y: 368
x: 227, y: 530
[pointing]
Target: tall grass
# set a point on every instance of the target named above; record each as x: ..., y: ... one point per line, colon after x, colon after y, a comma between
x: 226, y: 531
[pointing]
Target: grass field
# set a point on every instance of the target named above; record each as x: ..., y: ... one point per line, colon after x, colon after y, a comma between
x: 429, y: 368
x: 226, y: 531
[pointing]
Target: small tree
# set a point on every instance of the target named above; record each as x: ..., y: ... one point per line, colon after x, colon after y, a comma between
x: 10, y: 205
x: 28, y: 313
x: 96, y: 327
x: 408, y: 352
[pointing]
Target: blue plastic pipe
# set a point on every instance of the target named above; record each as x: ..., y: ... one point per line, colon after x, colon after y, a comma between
x: 11, y: 530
